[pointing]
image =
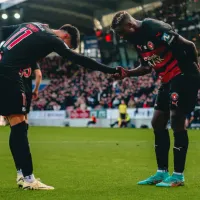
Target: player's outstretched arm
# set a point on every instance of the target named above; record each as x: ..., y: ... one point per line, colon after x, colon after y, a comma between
x: 139, y: 71
x: 86, y: 61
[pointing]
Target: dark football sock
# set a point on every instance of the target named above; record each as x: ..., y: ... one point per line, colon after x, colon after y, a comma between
x: 12, y: 149
x: 181, y: 142
x: 162, y: 145
x: 20, y: 148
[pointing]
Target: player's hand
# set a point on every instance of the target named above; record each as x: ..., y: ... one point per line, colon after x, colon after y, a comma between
x: 35, y: 94
x: 122, y: 73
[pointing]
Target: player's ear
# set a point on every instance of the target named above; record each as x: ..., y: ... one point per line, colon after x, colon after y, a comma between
x: 67, y: 36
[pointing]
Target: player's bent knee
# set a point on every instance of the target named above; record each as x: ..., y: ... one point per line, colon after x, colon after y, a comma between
x: 177, y: 121
x: 16, y: 119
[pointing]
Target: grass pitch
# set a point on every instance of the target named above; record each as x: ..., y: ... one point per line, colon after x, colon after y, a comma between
x: 96, y: 164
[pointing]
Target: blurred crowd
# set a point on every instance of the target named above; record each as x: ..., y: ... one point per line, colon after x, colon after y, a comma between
x: 77, y: 88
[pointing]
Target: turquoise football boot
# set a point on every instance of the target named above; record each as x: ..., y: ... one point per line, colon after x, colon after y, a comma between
x: 153, y: 180
x: 172, y: 181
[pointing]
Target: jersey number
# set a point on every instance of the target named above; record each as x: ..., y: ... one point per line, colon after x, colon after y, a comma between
x: 17, y: 38
x: 165, y: 37
x: 26, y: 73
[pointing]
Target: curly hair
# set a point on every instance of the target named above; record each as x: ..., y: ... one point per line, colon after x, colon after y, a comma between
x: 119, y: 18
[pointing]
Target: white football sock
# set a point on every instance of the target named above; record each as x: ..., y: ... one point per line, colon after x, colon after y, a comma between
x: 177, y: 173
x: 161, y: 171
x: 30, y: 178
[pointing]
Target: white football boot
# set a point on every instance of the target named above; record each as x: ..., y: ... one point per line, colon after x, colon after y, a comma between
x: 36, y: 185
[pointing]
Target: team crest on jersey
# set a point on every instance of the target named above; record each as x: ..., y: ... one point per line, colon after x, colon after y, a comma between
x: 150, y: 45
x: 174, y: 96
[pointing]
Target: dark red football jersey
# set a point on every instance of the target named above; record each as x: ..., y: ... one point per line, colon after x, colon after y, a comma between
x: 153, y: 48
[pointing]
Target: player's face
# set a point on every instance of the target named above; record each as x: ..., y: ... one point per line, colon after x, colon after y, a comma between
x: 125, y: 31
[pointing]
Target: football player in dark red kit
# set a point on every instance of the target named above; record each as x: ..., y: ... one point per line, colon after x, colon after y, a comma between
x: 174, y: 59
x: 24, y: 45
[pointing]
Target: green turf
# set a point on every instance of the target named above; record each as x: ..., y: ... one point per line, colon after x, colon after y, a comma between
x: 94, y: 164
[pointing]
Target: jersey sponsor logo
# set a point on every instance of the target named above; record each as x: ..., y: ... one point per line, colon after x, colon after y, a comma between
x: 33, y: 28
x: 153, y: 60
x: 150, y: 45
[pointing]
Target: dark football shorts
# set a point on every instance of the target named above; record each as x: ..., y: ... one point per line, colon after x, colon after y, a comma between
x: 180, y: 93
x: 28, y: 101
x: 13, y: 99
x: 122, y: 116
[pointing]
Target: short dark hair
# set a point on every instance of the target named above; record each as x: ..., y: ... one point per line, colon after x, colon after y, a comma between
x: 74, y: 33
x: 119, y: 18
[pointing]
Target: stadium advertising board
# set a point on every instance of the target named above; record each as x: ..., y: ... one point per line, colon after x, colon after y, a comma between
x: 79, y: 114
x: 91, y: 42
x: 61, y: 114
x: 100, y: 114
